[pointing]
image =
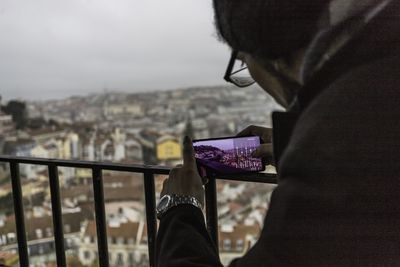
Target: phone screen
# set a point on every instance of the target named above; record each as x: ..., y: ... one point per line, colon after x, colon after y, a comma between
x: 228, y: 155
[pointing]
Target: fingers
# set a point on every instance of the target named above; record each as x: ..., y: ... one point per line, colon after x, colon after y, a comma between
x: 165, y: 188
x: 171, y: 177
x: 263, y: 132
x: 188, y: 154
x: 250, y: 130
x: 184, y: 180
x: 263, y: 151
x: 174, y: 172
x: 203, y: 175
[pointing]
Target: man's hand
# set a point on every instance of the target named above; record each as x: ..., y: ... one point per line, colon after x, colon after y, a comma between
x: 184, y: 179
x: 265, y: 149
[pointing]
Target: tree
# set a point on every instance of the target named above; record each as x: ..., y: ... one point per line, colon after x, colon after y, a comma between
x: 36, y: 123
x: 18, y: 111
x: 7, y: 204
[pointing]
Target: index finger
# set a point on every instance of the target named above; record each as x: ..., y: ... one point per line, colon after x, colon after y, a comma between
x: 256, y: 130
x: 250, y: 130
x: 188, y: 153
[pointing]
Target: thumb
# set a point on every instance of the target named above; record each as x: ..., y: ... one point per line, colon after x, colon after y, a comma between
x: 263, y: 151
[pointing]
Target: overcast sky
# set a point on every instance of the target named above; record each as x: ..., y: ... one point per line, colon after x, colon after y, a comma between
x: 57, y: 48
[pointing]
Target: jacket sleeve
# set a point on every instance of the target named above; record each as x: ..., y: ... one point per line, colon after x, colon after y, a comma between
x: 183, y: 240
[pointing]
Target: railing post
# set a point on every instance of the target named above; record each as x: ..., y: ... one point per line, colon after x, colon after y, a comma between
x: 150, y: 198
x: 57, y: 215
x: 19, y: 214
x: 211, y: 209
x: 101, y: 224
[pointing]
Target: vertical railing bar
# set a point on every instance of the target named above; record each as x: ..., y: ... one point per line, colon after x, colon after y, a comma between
x: 150, y: 198
x: 101, y: 225
x: 57, y: 215
x: 211, y: 210
x: 19, y: 214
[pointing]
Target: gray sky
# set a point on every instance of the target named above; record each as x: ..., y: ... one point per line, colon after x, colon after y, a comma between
x: 57, y: 48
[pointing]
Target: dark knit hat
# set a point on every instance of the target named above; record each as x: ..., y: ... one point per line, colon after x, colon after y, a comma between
x: 267, y: 28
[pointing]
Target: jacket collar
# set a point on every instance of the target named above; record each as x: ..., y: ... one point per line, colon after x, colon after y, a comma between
x: 366, y: 45
x: 346, y: 19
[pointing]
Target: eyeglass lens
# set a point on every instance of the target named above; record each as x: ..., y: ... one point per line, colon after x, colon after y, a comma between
x: 241, y: 77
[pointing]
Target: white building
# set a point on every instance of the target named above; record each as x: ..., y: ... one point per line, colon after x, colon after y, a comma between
x: 236, y: 240
x: 6, y: 124
x: 127, y: 244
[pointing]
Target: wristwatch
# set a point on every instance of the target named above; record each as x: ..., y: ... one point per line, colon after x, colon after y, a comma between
x: 169, y: 201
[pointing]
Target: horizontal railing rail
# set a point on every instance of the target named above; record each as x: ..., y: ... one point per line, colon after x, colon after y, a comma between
x: 148, y: 171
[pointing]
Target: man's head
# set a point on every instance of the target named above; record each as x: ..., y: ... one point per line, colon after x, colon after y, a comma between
x: 270, y: 31
x: 267, y: 29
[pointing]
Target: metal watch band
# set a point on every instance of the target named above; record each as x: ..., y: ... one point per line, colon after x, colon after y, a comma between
x: 179, y: 199
x: 176, y: 200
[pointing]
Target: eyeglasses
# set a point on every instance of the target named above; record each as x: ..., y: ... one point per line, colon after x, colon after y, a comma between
x: 239, y: 76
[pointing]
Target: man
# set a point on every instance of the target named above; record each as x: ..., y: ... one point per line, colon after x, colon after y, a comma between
x: 336, y: 149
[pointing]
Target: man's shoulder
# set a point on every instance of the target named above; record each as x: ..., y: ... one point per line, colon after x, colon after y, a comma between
x: 375, y: 84
x: 359, y: 107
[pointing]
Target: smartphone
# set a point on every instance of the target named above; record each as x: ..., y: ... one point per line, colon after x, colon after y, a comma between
x: 227, y: 155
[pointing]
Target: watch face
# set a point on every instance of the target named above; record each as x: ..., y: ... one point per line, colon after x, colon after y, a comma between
x: 164, y: 201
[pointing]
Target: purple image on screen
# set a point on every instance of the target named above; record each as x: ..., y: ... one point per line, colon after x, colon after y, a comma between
x: 228, y: 155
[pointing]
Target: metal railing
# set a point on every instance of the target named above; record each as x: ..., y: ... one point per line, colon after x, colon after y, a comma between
x: 148, y: 172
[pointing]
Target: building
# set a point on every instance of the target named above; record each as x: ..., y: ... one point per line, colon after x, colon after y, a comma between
x: 40, y: 238
x: 8, y: 258
x: 200, y: 129
x: 44, y: 134
x: 127, y: 244
x: 168, y: 148
x: 133, y: 149
x: 116, y: 110
x: 69, y: 146
x: 119, y: 144
x: 52, y: 149
x: 39, y: 152
x: 147, y: 140
x: 236, y: 240
x: 21, y: 148
x: 6, y: 124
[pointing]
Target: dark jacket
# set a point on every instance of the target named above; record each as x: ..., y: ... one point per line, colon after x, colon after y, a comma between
x: 337, y: 202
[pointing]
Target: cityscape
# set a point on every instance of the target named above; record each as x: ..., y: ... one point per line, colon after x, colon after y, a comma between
x: 131, y: 128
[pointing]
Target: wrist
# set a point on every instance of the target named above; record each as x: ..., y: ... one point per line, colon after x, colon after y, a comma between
x: 169, y: 201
